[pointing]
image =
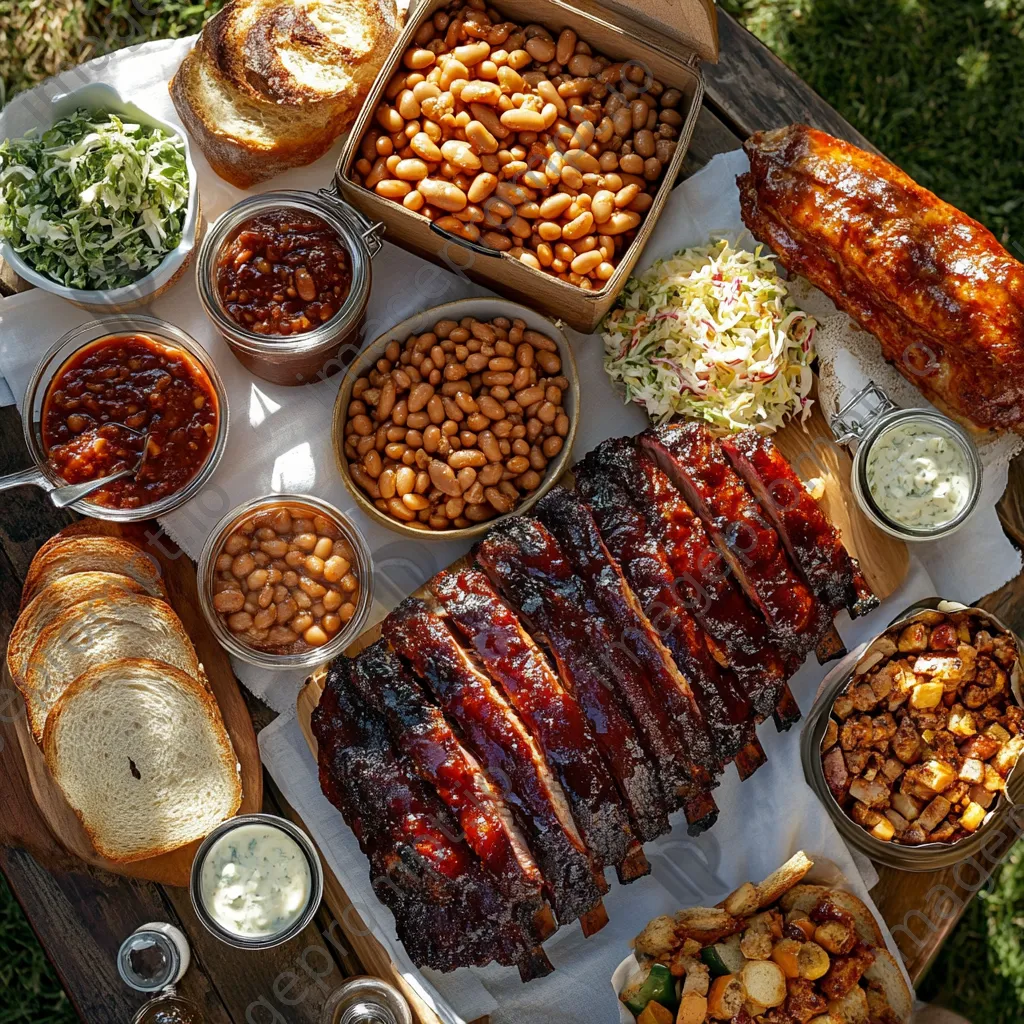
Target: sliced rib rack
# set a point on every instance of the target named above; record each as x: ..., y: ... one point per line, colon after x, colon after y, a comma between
x: 448, y: 911
x: 747, y: 540
x: 811, y: 540
x: 664, y: 708
x: 526, y: 564
x: 715, y: 599
x: 421, y: 731
x: 636, y: 546
x: 508, y: 751
x: 552, y: 714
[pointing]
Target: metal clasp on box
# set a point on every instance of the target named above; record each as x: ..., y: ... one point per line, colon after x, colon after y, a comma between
x: 860, y: 414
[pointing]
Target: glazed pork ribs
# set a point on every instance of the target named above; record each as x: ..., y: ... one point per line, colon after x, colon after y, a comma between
x: 812, y: 541
x: 548, y: 703
x: 449, y: 911
x: 744, y: 536
x: 510, y: 753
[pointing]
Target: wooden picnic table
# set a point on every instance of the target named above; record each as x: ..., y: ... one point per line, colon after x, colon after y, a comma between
x: 81, y: 915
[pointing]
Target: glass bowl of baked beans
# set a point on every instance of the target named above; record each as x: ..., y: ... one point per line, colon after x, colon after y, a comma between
x: 284, y: 581
x: 457, y: 416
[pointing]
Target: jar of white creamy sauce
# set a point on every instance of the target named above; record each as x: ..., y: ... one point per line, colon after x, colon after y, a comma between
x: 916, y: 473
x: 256, y: 881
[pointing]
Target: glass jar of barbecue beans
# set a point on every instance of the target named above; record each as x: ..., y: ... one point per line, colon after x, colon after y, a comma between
x: 285, y: 277
x: 285, y: 581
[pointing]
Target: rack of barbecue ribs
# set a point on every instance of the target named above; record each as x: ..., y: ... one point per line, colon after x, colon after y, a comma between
x: 943, y: 297
x: 545, y: 706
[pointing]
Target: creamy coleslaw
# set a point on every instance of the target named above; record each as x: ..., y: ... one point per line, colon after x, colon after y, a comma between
x: 710, y: 334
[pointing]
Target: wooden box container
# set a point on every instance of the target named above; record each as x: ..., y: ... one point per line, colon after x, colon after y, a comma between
x: 669, y: 38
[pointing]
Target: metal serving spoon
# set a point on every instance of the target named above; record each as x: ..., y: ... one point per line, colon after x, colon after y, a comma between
x: 63, y: 495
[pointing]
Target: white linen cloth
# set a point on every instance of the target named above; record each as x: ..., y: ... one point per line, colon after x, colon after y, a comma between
x: 280, y: 440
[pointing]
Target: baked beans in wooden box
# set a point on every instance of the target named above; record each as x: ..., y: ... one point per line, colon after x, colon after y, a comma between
x: 531, y: 146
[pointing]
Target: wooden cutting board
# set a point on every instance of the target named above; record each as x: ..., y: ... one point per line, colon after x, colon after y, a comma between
x: 814, y: 456
x: 180, y: 578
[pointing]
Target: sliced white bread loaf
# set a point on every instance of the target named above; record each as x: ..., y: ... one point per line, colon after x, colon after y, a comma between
x: 55, y: 598
x: 140, y: 750
x: 85, y: 553
x: 272, y: 83
x: 94, y: 632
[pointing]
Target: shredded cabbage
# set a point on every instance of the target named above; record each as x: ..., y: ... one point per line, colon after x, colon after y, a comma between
x: 93, y: 202
x: 709, y: 334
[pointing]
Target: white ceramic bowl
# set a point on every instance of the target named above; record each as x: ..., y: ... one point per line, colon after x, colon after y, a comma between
x: 98, y: 96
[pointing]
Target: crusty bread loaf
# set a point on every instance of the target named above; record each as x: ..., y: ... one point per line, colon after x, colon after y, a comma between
x: 60, y: 595
x: 141, y: 753
x: 270, y: 84
x: 93, y: 632
x: 87, y: 553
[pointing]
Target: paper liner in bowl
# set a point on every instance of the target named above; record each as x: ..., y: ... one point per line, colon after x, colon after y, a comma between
x: 925, y: 856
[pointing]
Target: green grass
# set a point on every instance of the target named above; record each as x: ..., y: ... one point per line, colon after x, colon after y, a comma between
x: 938, y: 85
x: 41, y: 37
x: 29, y: 990
x: 980, y: 971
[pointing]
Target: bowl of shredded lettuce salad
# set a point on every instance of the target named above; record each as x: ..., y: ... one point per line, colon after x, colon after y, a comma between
x: 710, y: 334
x: 101, y: 207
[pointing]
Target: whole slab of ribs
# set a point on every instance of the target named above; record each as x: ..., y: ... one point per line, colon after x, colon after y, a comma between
x: 943, y: 297
x: 589, y: 671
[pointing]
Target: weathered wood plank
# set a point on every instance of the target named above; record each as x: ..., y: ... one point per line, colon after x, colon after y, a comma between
x: 750, y: 88
x: 81, y: 918
x: 10, y: 283
x: 711, y: 136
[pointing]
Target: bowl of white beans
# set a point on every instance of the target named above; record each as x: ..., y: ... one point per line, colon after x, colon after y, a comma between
x: 284, y: 581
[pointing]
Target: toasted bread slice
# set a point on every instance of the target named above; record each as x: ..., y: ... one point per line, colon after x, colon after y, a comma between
x: 140, y: 750
x: 783, y: 879
x: 97, y: 631
x: 60, y: 595
x: 885, y: 976
x: 87, y: 553
x: 271, y: 85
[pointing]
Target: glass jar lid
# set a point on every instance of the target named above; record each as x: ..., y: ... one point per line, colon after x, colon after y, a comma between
x: 148, y: 961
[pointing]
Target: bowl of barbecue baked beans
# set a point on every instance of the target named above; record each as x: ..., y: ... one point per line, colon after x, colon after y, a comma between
x: 457, y: 416
x: 284, y: 581
x: 285, y: 277
x: 114, y: 389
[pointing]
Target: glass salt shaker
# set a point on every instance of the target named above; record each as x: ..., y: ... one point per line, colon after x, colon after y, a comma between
x: 153, y: 959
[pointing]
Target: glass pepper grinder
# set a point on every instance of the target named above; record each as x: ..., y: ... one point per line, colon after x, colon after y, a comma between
x: 153, y: 959
x: 364, y: 1000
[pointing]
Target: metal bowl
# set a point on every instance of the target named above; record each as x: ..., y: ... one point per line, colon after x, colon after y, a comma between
x: 927, y: 856
x: 482, y: 309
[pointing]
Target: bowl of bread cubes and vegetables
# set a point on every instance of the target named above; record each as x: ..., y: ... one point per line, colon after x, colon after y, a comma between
x: 781, y: 950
